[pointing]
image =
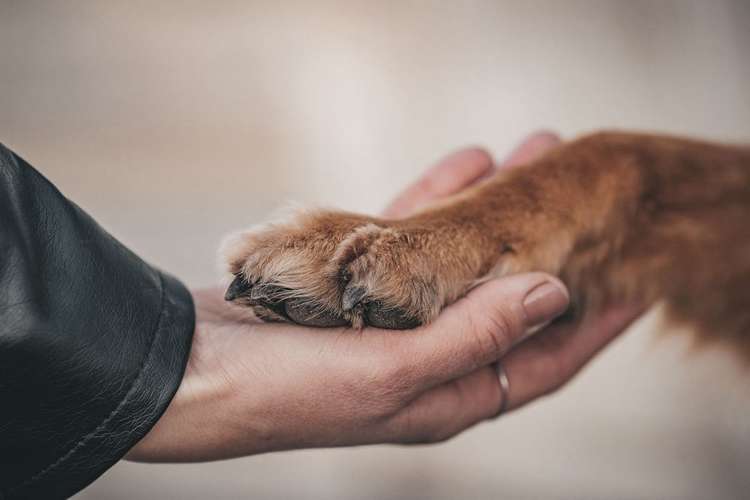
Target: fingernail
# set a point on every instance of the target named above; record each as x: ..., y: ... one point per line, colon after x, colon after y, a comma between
x: 544, y: 303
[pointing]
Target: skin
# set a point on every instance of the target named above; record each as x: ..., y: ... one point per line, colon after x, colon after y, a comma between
x: 256, y: 387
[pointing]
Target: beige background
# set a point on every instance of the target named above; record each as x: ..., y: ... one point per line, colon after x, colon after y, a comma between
x: 175, y: 122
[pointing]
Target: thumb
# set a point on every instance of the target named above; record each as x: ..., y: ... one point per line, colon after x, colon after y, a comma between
x: 480, y: 328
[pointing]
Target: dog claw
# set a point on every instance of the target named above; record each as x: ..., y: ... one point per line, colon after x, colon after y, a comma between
x: 352, y: 296
x: 238, y: 287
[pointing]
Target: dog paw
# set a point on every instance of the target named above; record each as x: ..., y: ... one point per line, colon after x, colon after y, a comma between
x: 337, y: 269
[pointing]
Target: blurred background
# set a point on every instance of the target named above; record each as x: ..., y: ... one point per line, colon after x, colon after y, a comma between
x: 174, y: 123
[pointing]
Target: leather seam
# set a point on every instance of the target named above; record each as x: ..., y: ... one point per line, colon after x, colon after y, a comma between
x: 103, y: 424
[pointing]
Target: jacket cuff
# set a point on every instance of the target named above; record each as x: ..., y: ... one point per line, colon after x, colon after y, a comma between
x: 153, y: 387
x: 93, y: 341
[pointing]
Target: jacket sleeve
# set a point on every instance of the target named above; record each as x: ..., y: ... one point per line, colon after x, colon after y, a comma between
x: 93, y: 341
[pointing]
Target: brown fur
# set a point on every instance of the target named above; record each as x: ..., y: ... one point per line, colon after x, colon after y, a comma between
x: 617, y: 216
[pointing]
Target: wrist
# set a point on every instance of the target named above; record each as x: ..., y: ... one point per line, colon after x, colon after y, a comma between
x: 190, y: 430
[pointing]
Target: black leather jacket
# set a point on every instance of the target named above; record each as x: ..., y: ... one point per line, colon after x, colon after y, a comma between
x: 93, y: 341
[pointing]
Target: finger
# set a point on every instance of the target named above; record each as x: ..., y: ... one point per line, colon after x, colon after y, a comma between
x: 449, y: 176
x: 463, y: 169
x: 446, y: 410
x: 538, y: 366
x: 546, y: 361
x: 531, y: 148
x: 480, y: 328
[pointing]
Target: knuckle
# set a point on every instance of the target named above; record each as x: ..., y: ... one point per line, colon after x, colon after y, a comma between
x: 427, y: 185
x: 564, y: 372
x: 429, y: 434
x: 560, y: 373
x: 479, y: 155
x: 441, y: 434
x: 492, y: 330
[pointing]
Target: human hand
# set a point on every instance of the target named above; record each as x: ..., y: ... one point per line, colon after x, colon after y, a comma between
x: 551, y: 357
x: 251, y: 388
